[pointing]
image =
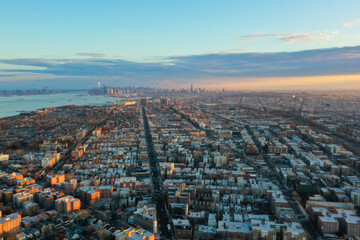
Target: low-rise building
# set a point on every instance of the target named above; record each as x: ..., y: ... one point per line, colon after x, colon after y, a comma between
x: 146, y: 218
x: 67, y: 204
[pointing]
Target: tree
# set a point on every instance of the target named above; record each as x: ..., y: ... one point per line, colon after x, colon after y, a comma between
x: 102, y: 234
x: 11, y: 235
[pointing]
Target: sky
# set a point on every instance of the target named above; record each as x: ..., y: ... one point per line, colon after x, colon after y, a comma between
x: 249, y: 44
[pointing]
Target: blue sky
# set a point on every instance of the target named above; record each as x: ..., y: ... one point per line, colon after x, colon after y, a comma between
x: 98, y: 36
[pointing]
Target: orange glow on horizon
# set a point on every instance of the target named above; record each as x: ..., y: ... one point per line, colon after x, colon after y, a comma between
x: 340, y: 82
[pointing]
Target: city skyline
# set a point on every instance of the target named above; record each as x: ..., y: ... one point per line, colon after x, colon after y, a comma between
x: 180, y: 120
x: 274, y: 45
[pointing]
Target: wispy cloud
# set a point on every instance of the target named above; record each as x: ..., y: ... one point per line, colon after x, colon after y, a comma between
x: 287, y: 37
x: 94, y: 55
x: 291, y: 37
x: 355, y: 22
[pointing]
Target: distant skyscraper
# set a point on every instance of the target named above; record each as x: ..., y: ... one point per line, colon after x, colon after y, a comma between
x: 164, y: 101
x: 192, y: 89
x: 144, y: 101
x: 99, y: 85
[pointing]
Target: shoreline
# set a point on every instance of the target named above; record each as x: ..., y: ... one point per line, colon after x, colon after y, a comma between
x: 11, y: 107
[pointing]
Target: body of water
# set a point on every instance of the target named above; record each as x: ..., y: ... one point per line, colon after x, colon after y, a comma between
x: 11, y: 106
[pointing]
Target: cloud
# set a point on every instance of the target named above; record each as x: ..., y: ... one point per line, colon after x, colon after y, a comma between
x: 182, y: 69
x: 291, y: 37
x: 93, y: 55
x: 302, y: 63
x: 355, y: 22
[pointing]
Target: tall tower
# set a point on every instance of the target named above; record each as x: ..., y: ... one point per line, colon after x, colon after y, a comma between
x: 99, y: 85
x: 192, y: 89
